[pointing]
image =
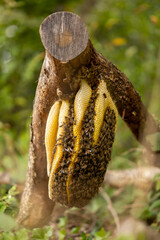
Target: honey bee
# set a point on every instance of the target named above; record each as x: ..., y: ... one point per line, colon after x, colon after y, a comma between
x: 78, y: 139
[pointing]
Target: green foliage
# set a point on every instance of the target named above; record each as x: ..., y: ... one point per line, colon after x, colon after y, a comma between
x: 101, y: 235
x: 42, y: 234
x: 8, y: 202
x: 22, y: 234
x: 62, y: 228
x: 151, y: 212
x: 85, y: 237
x: 45, y: 233
x: 8, y: 207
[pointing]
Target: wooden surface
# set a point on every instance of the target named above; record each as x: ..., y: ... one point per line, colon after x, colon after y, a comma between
x: 64, y: 35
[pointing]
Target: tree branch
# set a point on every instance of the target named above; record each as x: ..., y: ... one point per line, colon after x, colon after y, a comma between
x: 141, y: 177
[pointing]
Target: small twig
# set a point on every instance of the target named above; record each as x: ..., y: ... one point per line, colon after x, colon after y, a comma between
x: 141, y: 177
x: 111, y: 209
x: 132, y: 150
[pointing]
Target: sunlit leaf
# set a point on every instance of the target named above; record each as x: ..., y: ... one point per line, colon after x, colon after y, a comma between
x: 61, y: 234
x: 22, y: 234
x: 3, y: 206
x: 101, y: 235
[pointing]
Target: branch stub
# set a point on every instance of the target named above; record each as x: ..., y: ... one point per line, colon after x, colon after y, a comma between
x: 64, y: 35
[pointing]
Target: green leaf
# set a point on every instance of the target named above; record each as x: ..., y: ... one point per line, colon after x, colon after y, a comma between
x: 157, y: 185
x: 3, y: 206
x: 12, y: 191
x: 62, y: 222
x: 85, y: 237
x: 155, y: 196
x: 22, y: 234
x: 75, y: 229
x: 101, y: 235
x: 61, y: 234
x: 155, y: 204
x: 147, y: 214
x: 8, y: 236
x: 156, y: 177
x: 42, y: 233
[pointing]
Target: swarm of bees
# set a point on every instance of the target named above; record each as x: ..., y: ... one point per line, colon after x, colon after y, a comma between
x: 78, y: 139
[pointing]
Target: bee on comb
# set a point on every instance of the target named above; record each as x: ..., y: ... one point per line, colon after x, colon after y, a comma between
x: 78, y: 139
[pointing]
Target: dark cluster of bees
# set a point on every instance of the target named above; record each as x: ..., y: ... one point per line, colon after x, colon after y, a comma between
x: 87, y: 172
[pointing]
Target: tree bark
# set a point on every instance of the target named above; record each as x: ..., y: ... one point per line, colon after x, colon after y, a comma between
x: 69, y: 58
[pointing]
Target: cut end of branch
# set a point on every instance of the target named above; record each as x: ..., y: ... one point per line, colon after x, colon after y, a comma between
x: 64, y: 35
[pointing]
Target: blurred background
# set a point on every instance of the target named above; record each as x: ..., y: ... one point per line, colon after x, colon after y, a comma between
x: 126, y: 32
